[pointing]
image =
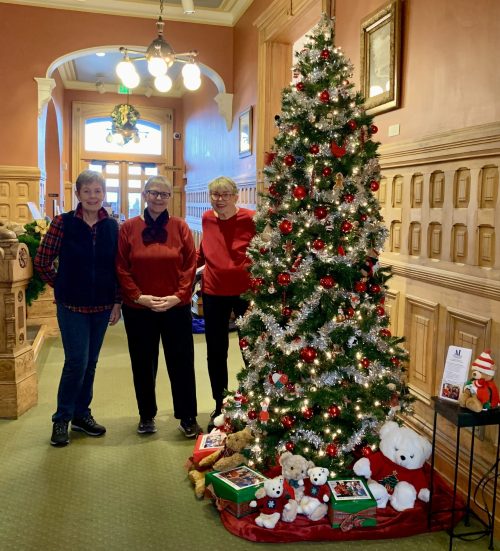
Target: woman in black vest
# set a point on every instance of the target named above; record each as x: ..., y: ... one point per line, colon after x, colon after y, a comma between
x: 85, y: 287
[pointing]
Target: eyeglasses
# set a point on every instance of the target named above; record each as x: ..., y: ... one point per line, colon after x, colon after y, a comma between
x: 155, y: 194
x: 226, y: 195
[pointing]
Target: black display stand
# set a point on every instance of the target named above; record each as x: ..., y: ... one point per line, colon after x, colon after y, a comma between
x: 461, y: 418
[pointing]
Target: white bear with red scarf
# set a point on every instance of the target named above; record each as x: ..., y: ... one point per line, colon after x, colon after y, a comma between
x: 396, y: 472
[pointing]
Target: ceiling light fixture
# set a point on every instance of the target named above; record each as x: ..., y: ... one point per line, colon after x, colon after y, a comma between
x: 188, y: 6
x: 160, y: 57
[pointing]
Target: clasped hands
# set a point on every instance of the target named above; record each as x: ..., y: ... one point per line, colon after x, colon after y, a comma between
x: 158, y: 304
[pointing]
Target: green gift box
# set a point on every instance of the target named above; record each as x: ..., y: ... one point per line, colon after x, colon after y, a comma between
x: 234, y: 489
x: 352, y: 505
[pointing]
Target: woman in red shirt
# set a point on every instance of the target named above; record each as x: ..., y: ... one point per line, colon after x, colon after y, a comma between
x: 156, y: 265
x: 227, y: 231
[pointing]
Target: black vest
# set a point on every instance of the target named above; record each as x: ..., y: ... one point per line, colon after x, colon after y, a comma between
x: 86, y: 273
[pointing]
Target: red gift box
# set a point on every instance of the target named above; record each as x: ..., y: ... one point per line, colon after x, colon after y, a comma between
x: 206, y: 444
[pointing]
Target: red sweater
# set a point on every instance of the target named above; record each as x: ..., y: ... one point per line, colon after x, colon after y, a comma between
x: 158, y: 269
x: 223, y: 251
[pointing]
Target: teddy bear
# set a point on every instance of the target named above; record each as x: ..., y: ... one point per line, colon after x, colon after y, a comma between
x: 271, y: 504
x: 480, y: 392
x: 228, y: 457
x: 395, y: 472
x: 316, y: 494
x: 294, y: 470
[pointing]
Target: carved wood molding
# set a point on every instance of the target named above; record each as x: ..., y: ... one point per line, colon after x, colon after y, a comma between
x: 442, y: 278
x: 29, y: 173
x: 467, y: 143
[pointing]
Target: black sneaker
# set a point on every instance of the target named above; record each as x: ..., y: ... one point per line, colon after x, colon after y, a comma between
x: 60, y: 436
x: 213, y: 415
x: 189, y: 427
x: 88, y: 425
x: 146, y: 426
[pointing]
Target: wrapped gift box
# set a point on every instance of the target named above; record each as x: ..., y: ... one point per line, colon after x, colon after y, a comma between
x: 351, y: 504
x: 206, y: 444
x: 234, y: 489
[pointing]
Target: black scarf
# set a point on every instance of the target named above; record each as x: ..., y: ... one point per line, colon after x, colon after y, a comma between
x: 155, y: 230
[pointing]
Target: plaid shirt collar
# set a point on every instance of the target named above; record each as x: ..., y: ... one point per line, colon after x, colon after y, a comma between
x: 101, y: 213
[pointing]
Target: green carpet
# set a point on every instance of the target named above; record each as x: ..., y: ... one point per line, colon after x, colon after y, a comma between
x: 123, y: 491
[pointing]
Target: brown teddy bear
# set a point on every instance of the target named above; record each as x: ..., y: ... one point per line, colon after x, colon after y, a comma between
x: 227, y: 458
x: 480, y: 392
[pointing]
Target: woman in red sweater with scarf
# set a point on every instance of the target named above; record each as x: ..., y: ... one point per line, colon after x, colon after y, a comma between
x: 227, y: 231
x: 156, y: 265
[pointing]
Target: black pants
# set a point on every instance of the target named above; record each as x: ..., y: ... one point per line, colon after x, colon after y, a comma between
x: 217, y: 313
x: 144, y: 329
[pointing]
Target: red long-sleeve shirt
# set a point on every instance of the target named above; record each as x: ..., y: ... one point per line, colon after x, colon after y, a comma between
x: 223, y: 251
x: 158, y: 269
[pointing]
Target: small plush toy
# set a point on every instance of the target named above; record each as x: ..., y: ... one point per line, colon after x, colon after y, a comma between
x: 316, y: 494
x: 271, y: 504
x: 294, y: 470
x: 480, y: 392
x: 396, y: 472
x: 227, y: 458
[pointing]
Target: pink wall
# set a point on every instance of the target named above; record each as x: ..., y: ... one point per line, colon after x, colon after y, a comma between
x: 54, y: 33
x: 451, y: 73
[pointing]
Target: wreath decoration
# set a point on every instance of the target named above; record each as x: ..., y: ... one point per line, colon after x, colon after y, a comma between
x: 124, y: 119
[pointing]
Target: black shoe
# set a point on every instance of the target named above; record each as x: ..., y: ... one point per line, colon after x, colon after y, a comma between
x: 146, y: 426
x: 190, y: 427
x: 213, y: 415
x: 88, y: 425
x: 60, y: 436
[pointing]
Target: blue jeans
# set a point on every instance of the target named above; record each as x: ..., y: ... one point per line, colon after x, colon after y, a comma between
x: 82, y: 337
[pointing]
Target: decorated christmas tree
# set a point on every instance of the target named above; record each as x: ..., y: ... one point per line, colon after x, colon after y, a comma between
x: 322, y: 368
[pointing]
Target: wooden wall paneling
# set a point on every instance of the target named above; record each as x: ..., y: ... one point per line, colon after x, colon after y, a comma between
x: 18, y: 186
x: 392, y: 309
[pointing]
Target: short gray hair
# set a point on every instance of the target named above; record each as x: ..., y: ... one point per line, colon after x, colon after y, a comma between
x: 89, y: 177
x: 160, y: 181
x: 223, y: 182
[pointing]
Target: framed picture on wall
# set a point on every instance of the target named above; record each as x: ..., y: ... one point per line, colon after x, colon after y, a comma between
x: 245, y: 132
x: 381, y: 38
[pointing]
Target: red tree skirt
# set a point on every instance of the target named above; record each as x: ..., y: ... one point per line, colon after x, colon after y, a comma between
x: 390, y: 523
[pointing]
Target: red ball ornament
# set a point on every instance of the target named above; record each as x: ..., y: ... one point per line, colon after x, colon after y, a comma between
x: 319, y: 244
x: 380, y: 310
x: 346, y: 226
x: 273, y: 191
x: 349, y: 198
x: 314, y: 149
x: 363, y: 218
x: 300, y: 86
x: 373, y: 129
x: 365, y: 362
x: 360, y: 286
x: 337, y: 150
x: 325, y: 54
x: 366, y: 451
x: 271, y: 211
x: 286, y: 311
x: 340, y: 250
x: 252, y: 415
x: 327, y: 282
x: 333, y: 411
x: 327, y: 171
x: 283, y: 279
x: 256, y: 283
x: 350, y: 312
x: 331, y: 450
x: 299, y: 192
x: 308, y: 413
x: 243, y: 343
x: 290, y: 446
x: 394, y: 360
x: 374, y: 185
x: 385, y: 333
x: 289, y: 160
x: 375, y: 288
x: 263, y: 250
x: 288, y: 421
x: 285, y: 227
x: 269, y: 157
x: 324, y: 96
x: 382, y: 300
x: 321, y: 212
x: 352, y: 124
x: 308, y: 354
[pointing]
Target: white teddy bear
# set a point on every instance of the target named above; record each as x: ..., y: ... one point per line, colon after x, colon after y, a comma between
x: 271, y: 505
x: 395, y: 472
x: 316, y: 494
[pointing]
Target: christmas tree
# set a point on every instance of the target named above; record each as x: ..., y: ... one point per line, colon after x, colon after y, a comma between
x: 322, y: 369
